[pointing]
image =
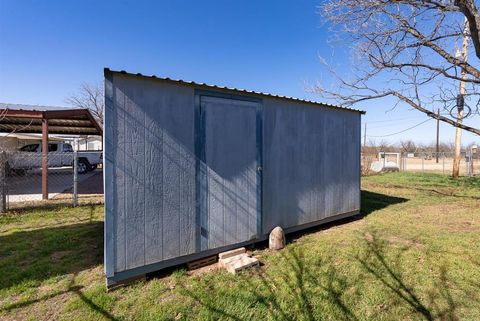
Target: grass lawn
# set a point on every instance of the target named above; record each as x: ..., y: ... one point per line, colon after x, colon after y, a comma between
x: 413, y: 254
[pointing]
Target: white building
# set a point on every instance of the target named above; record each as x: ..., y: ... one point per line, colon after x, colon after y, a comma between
x: 12, y: 142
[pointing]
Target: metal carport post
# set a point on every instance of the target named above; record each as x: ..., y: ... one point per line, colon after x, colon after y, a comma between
x: 44, y: 157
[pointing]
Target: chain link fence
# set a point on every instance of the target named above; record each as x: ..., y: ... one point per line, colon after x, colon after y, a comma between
x: 431, y: 162
x: 71, y: 177
x: 440, y: 163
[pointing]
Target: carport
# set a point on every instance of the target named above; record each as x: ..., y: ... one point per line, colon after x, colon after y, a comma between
x: 64, y: 121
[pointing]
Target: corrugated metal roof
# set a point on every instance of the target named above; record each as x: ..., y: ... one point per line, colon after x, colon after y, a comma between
x: 32, y: 107
x: 73, y: 121
x: 189, y: 82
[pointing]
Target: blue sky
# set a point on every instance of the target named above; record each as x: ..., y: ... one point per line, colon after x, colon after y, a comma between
x: 48, y: 48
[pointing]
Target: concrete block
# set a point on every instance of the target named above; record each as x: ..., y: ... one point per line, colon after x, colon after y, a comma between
x: 227, y: 254
x: 240, y: 262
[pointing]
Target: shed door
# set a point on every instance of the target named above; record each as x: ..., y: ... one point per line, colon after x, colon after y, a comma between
x: 231, y: 142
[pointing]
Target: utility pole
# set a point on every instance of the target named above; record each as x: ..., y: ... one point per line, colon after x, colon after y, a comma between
x: 365, y: 137
x: 460, y: 103
x: 437, y: 149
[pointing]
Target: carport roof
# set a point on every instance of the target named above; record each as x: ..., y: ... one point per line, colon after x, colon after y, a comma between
x: 24, y: 119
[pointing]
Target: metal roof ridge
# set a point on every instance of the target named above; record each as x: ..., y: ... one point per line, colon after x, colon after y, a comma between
x: 19, y: 106
x: 106, y: 70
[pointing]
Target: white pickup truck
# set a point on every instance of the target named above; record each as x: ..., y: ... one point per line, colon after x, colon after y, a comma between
x: 59, y: 155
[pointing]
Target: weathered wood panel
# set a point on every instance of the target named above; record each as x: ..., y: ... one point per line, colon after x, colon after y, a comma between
x: 311, y: 169
x: 153, y: 181
x: 153, y: 172
x: 119, y: 179
x: 109, y: 145
x: 134, y: 178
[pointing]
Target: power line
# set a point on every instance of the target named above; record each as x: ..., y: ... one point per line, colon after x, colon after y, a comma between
x: 402, y: 131
x: 389, y: 120
x: 397, y: 119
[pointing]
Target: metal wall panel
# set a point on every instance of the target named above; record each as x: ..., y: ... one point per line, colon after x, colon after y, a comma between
x: 311, y: 163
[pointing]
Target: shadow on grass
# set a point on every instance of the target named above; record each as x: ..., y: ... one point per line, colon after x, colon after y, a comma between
x: 71, y: 288
x: 301, y: 287
x: 50, y: 205
x: 372, y: 202
x: 35, y: 255
x: 39, y: 254
x: 297, y: 291
x: 445, y: 192
x: 392, y: 274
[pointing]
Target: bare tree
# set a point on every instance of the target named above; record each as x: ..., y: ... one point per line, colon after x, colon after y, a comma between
x: 90, y: 97
x: 408, y: 146
x: 407, y: 49
x: 446, y: 147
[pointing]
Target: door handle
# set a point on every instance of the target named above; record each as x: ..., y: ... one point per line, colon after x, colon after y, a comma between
x: 259, y: 169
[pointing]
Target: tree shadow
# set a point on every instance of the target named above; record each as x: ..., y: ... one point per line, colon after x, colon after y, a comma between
x: 306, y: 283
x: 438, y: 303
x: 300, y: 288
x: 36, y: 255
x: 72, y: 287
x: 297, y: 291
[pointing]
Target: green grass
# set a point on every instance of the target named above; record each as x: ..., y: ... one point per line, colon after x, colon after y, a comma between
x: 413, y: 254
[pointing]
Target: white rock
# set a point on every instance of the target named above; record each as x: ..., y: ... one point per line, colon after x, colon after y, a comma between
x: 276, y: 240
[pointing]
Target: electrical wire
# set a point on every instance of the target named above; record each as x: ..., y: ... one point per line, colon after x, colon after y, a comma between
x: 398, y: 119
x: 402, y: 131
x: 388, y: 120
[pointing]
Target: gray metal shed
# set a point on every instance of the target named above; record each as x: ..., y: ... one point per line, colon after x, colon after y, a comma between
x: 193, y: 169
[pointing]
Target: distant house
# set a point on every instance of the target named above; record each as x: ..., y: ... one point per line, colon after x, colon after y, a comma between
x: 83, y: 143
x: 12, y: 142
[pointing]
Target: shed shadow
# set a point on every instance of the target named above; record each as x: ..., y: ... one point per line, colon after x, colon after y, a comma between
x: 370, y: 202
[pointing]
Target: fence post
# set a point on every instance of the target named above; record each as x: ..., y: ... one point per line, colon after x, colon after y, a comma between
x: 3, y: 182
x: 469, y: 163
x: 75, y: 178
x: 423, y: 163
x: 443, y: 165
